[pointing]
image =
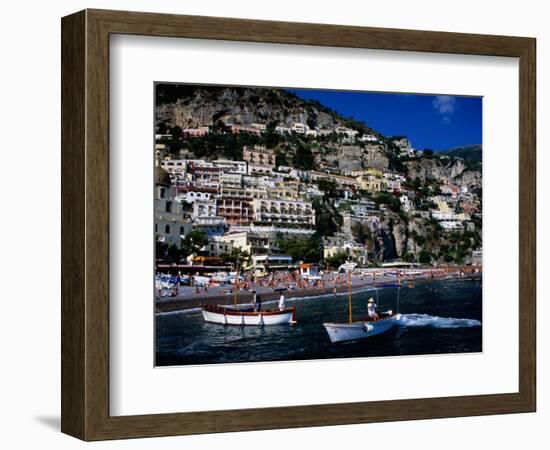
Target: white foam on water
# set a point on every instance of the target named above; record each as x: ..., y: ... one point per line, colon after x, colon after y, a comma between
x: 179, y: 311
x: 425, y: 320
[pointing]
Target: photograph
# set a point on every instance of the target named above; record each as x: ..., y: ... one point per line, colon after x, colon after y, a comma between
x: 310, y: 224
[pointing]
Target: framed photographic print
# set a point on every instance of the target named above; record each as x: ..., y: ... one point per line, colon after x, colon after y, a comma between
x: 270, y: 225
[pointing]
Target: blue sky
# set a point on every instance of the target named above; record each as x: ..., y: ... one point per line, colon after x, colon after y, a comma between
x: 430, y: 121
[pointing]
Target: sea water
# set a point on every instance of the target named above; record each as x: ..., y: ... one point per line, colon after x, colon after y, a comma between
x: 437, y: 317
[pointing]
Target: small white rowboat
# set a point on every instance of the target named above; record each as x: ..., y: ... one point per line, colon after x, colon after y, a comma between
x: 340, y: 332
x: 228, y: 315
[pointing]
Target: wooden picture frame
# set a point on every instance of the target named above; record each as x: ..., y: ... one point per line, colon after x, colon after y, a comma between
x: 85, y: 224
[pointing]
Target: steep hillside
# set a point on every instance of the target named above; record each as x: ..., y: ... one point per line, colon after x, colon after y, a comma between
x: 193, y: 106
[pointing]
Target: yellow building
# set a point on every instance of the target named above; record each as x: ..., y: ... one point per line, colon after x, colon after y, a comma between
x: 371, y: 183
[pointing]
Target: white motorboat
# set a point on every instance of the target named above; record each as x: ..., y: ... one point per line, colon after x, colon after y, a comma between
x: 354, y: 330
x: 339, y: 332
x: 231, y: 315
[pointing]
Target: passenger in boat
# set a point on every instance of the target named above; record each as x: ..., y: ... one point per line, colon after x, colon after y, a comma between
x: 254, y: 297
x: 258, y: 302
x: 281, y: 302
x: 372, y: 310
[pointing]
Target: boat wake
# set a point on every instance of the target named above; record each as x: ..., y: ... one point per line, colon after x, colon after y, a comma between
x: 425, y: 320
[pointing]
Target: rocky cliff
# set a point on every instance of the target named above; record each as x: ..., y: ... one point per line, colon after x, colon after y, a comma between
x: 193, y: 106
x: 444, y: 169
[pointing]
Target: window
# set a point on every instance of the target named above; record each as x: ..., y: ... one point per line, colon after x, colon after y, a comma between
x: 156, y: 228
x: 162, y: 192
x: 168, y: 206
x: 182, y: 230
x: 167, y: 229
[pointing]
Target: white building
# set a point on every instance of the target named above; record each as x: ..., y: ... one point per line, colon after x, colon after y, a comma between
x: 195, y: 132
x: 233, y: 179
x: 230, y: 166
x: 368, y: 138
x: 170, y: 226
x: 283, y: 212
x: 210, y: 225
x: 266, y: 262
x: 451, y: 224
x: 204, y: 209
x: 406, y: 203
x: 247, y: 241
x: 353, y: 250
x: 175, y: 166
x: 350, y: 134
x: 260, y: 169
x: 299, y: 127
x: 449, y: 216
x: 364, y: 208
x: 194, y: 196
x: 259, y: 126
x: 312, y: 192
x: 393, y: 182
x: 283, y: 130
x: 217, y: 247
x: 302, y: 175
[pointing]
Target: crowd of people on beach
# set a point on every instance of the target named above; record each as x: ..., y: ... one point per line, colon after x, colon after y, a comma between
x: 291, y: 280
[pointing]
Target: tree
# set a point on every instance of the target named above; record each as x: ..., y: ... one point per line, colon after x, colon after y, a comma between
x: 328, y: 187
x: 176, y: 132
x: 361, y: 232
x: 161, y: 250
x: 416, y: 184
x: 192, y: 242
x: 218, y: 126
x: 337, y: 259
x: 174, y: 253
x: 236, y: 257
x: 280, y: 158
x: 425, y: 257
x: 161, y: 128
x: 307, y: 248
x: 327, y: 219
x: 383, y: 198
x: 271, y: 138
x: 303, y: 158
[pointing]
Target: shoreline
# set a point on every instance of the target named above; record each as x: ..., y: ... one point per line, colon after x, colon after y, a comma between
x: 169, y: 305
x: 164, y: 306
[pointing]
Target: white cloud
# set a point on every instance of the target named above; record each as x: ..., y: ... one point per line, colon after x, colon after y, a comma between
x: 445, y: 106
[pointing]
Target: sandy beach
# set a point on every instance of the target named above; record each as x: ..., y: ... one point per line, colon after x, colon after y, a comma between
x: 187, y: 298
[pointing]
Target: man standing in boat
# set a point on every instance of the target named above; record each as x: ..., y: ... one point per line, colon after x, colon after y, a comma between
x: 282, y: 302
x: 372, y: 310
x: 256, y: 301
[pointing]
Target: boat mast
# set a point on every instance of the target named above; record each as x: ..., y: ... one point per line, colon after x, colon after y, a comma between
x: 236, y: 286
x: 349, y: 295
x: 398, y: 290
